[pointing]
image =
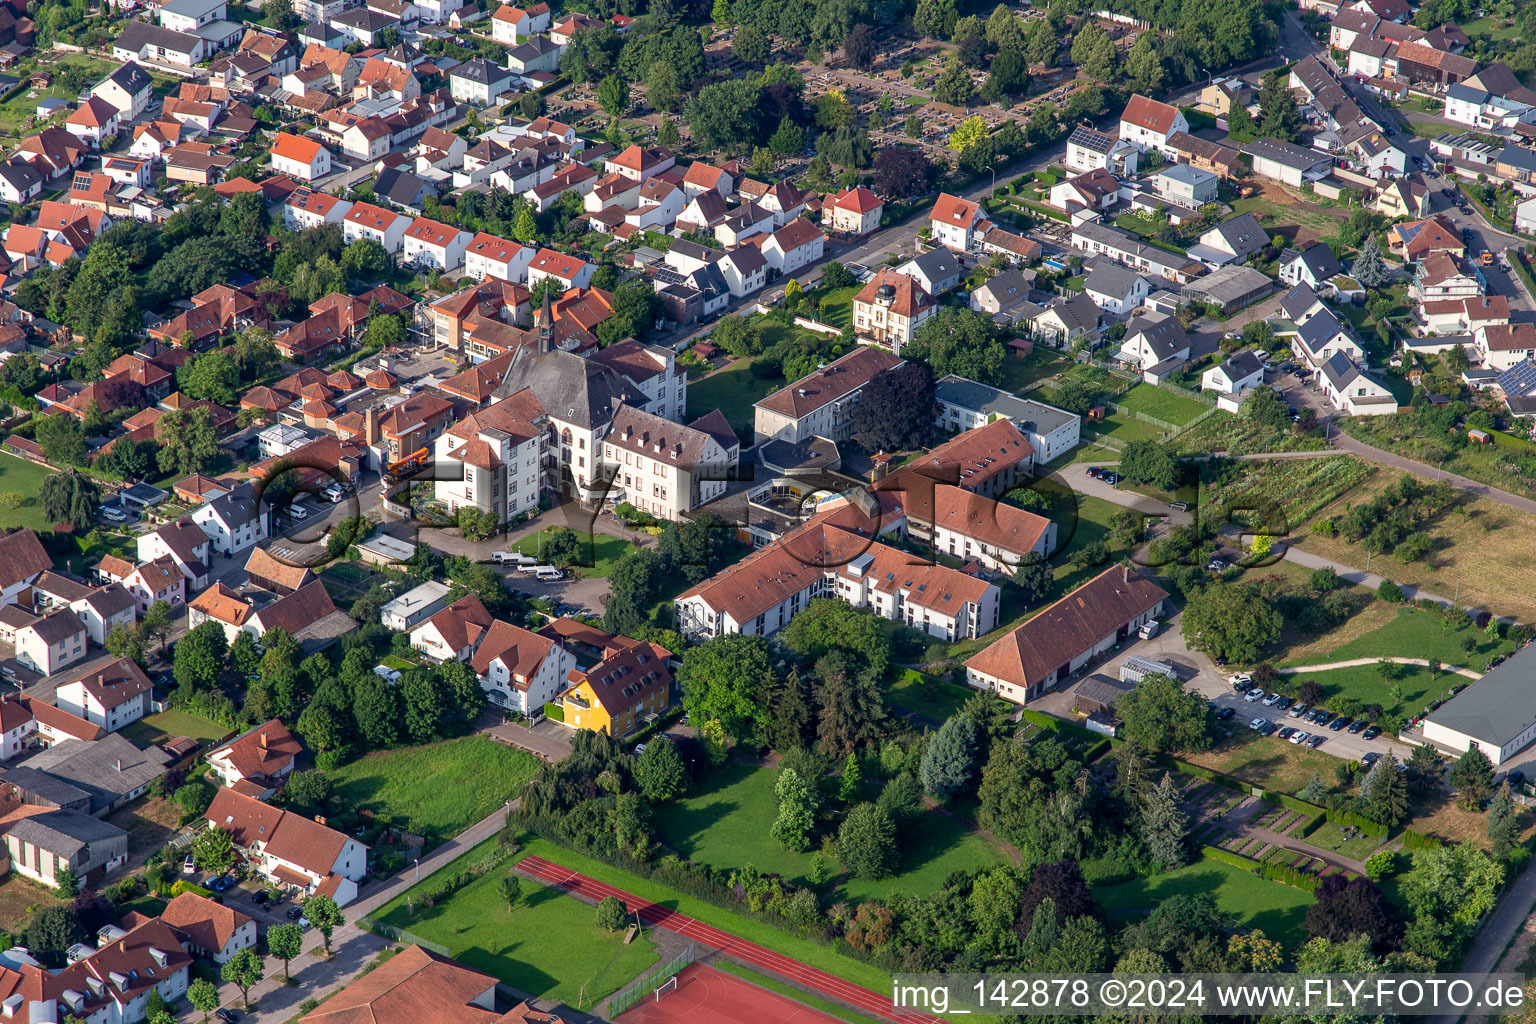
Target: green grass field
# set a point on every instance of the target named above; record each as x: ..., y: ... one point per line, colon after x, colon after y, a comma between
x: 1402, y: 632
x: 439, y: 789
x: 154, y: 729
x: 1255, y: 902
x: 1162, y: 404
x: 547, y: 945
x: 598, y: 551
x: 835, y: 305
x: 925, y: 695
x: 1365, y: 684
x: 18, y: 476
x: 14, y: 113
x: 732, y: 390
x: 1021, y: 371
x: 727, y: 826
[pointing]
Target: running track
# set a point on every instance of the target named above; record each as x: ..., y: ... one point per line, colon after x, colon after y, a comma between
x: 829, y: 985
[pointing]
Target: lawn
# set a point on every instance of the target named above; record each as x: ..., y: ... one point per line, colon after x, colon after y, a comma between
x: 727, y: 826
x: 598, y: 551
x: 548, y: 945
x: 1255, y: 902
x: 436, y: 790
x: 1266, y: 761
x: 15, y: 112
x: 1385, y: 630
x: 1464, y: 562
x: 154, y: 729
x: 1162, y: 404
x: 922, y: 694
x: 1492, y: 28
x: 18, y: 476
x: 1021, y: 371
x: 1331, y: 836
x: 835, y: 305
x: 733, y: 390
x: 1365, y: 684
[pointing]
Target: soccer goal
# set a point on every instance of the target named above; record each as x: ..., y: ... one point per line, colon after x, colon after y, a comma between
x: 670, y: 985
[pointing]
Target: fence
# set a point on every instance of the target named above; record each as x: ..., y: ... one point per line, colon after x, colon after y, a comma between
x: 643, y: 988
x: 1174, y: 430
x: 389, y: 931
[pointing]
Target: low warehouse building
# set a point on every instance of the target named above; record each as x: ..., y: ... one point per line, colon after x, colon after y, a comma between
x: 1494, y: 714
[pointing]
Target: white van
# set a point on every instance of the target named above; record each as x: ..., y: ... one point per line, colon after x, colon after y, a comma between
x: 1149, y: 629
x: 548, y: 575
x: 512, y: 558
x: 333, y: 494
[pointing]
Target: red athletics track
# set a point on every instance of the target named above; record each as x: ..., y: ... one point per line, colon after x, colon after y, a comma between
x: 707, y: 996
x: 829, y: 985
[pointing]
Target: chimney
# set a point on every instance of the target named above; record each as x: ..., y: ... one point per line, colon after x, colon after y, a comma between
x: 371, y: 427
x: 118, y: 764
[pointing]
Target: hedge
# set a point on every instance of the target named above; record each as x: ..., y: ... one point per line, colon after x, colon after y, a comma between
x: 1185, y: 768
x: 1060, y: 725
x: 1282, y: 873
x: 1364, y: 824
x: 1237, y: 860
x: 182, y: 885
x: 1419, y: 841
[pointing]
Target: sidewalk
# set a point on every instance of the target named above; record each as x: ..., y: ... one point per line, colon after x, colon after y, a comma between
x: 352, y: 947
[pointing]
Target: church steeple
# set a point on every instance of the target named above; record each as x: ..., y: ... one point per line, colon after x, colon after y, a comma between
x: 546, y: 326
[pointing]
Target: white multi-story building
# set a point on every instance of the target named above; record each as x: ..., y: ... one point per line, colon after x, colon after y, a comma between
x: 664, y: 468
x: 821, y: 403
x: 235, y: 521
x: 520, y: 670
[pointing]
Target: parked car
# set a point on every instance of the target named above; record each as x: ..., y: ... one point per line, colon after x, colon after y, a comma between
x: 1110, y: 477
x: 1370, y: 758
x: 1315, y: 742
x: 1287, y: 733
x: 294, y: 913
x: 1514, y: 778
x: 189, y: 866
x: 1271, y: 700
x: 1225, y: 713
x: 113, y: 515
x: 297, y: 512
x: 1323, y: 716
x: 227, y: 1016
x: 1283, y: 704
x: 1371, y: 733
x: 1258, y: 723
x: 1217, y: 565
x: 1338, y: 724
x: 1357, y: 726
x: 1300, y: 737
x: 1299, y: 711
x: 1240, y: 680
x: 1179, y: 506
x: 1254, y: 694
x: 1095, y: 472
x: 261, y: 897
x: 1268, y: 729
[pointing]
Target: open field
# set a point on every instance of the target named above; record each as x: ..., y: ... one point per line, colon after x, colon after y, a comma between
x: 1286, y: 494
x: 26, y: 479
x: 547, y: 945
x: 153, y: 729
x: 1162, y: 404
x: 1489, y: 574
x: 1021, y: 371
x: 1383, y: 630
x: 1295, y: 217
x: 1265, y: 761
x: 1364, y: 683
x: 1255, y: 902
x: 599, y: 551
x: 733, y: 390
x: 1235, y: 435
x: 439, y: 789
x: 728, y: 825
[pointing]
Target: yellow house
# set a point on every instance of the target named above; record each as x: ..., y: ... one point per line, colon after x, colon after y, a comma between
x: 620, y: 693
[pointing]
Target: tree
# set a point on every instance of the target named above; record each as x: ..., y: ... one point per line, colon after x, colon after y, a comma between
x: 851, y: 712
x: 960, y: 341
x: 1472, y: 778
x: 1231, y: 620
x: 524, y: 228
x: 1503, y: 825
x: 828, y: 624
x: 1369, y: 268
x: 1007, y: 75
x: 51, y: 932
x: 62, y: 439
x: 511, y: 889
x: 285, y: 941
x: 613, y: 95
x: 750, y: 44
x: 214, y: 376
x: 897, y: 410
x: 1384, y: 792
x: 1160, y: 716
x: 949, y: 759
x: 1148, y: 462
x: 1094, y: 51
x: 70, y: 497
x: 797, y: 811
x: 969, y: 132
x: 726, y: 680
x: 860, y: 47
x: 866, y: 842
x: 788, y: 139
x: 308, y: 791
x: 200, y: 656
x: 1041, y: 45
x: 1344, y: 908
x: 1003, y: 31
x: 325, y: 915
x: 1448, y: 889
x: 660, y: 772
x: 902, y: 172
x: 188, y: 442
x: 1425, y: 765
x: 213, y: 850
x: 611, y: 914
x: 66, y: 882
x: 954, y: 86
x: 726, y: 116
x: 1281, y: 119
x: 935, y: 18
x: 634, y: 582
x: 243, y: 970
x: 204, y: 997
x: 1164, y: 826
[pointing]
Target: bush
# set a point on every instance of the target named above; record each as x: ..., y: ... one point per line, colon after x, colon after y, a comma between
x: 182, y: 885
x: 611, y: 914
x: 1419, y: 841
x: 1390, y: 592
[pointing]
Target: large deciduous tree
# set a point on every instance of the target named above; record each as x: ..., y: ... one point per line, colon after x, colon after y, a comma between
x: 1231, y: 620
x: 727, y: 680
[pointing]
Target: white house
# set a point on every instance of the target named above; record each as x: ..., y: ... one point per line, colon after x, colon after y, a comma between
x: 290, y: 850
x: 111, y: 697
x: 570, y: 271
x: 234, y: 521
x: 1350, y: 389
x: 1153, y: 340
x: 1115, y: 289
x: 310, y: 209
x: 953, y: 221
x: 428, y: 243
x: 453, y: 633
x: 300, y: 157
x: 1240, y: 372
x: 208, y: 928
x: 855, y: 211
x: 1089, y: 150
x: 22, y: 560
x: 364, y: 220
x: 414, y: 606
x: 520, y: 670
x: 51, y: 643
x: 489, y: 256
x: 128, y: 88
x: 1312, y: 266
x: 1148, y: 124
x: 258, y: 760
